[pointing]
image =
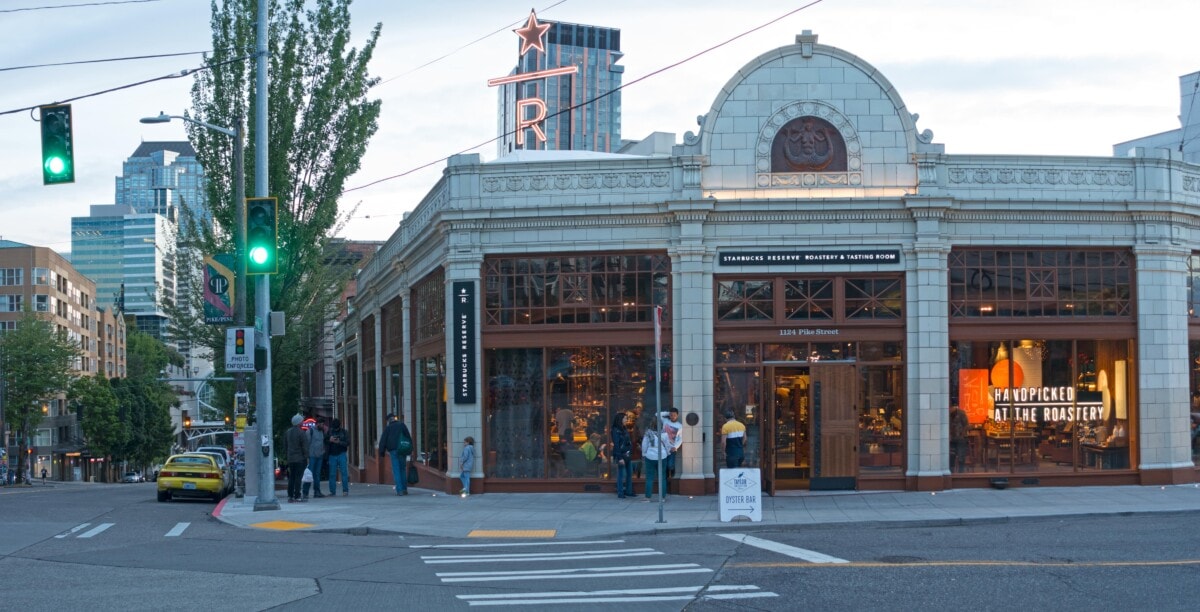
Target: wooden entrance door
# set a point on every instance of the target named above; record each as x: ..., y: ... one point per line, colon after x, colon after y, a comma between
x: 834, y: 426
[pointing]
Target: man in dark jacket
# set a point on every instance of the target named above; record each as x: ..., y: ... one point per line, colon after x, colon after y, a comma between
x: 389, y: 442
x: 335, y: 449
x: 296, y: 440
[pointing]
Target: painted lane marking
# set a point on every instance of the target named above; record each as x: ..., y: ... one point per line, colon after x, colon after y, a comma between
x: 617, y: 596
x: 177, y: 530
x: 510, y: 544
x: 1073, y: 564
x: 512, y: 533
x: 580, y: 572
x: 73, y: 530
x: 98, y: 529
x: 511, y: 557
x: 811, y: 556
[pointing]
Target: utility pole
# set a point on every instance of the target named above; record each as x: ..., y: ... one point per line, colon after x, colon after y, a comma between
x: 262, y: 295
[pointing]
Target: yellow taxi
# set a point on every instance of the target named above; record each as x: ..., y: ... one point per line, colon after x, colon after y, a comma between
x: 191, y: 475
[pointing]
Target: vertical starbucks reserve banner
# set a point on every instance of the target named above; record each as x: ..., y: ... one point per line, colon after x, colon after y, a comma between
x: 808, y: 258
x: 463, y: 367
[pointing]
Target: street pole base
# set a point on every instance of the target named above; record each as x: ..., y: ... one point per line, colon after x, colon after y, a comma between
x: 260, y: 506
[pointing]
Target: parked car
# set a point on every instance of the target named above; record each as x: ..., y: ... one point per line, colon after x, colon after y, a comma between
x: 224, y: 464
x: 191, y: 475
x: 216, y: 449
x: 132, y: 477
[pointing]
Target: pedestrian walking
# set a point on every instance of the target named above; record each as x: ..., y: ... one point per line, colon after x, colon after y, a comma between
x: 466, y: 463
x: 43, y: 475
x: 654, y: 450
x: 622, y: 453
x: 316, y: 457
x: 397, y: 441
x: 335, y: 448
x: 296, y: 443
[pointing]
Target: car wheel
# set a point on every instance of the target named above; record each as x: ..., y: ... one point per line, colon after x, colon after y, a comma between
x: 163, y: 496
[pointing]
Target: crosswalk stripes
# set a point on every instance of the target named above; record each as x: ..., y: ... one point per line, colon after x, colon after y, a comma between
x: 589, y: 572
x: 688, y: 593
x: 175, y: 531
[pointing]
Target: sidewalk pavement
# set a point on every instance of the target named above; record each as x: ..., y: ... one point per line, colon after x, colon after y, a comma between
x: 377, y: 509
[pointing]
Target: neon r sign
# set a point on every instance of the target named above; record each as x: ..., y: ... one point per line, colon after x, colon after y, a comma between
x: 532, y: 36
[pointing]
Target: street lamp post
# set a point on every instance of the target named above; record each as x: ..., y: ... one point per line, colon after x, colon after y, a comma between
x: 239, y: 205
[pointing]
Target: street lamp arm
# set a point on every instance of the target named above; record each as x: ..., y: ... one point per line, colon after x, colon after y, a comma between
x: 165, y: 118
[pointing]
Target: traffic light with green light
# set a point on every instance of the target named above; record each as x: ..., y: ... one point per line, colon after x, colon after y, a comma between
x: 262, y: 236
x: 58, y: 145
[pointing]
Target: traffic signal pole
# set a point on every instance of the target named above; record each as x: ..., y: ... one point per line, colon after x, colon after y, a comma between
x: 262, y: 299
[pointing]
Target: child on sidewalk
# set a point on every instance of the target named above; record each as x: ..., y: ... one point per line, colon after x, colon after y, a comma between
x: 466, y: 462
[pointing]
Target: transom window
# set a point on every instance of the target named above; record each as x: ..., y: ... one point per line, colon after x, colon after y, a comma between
x: 809, y: 299
x: 1040, y: 283
x: 578, y: 289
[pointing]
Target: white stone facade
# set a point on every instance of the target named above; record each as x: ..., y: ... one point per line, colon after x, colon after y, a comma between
x: 717, y: 192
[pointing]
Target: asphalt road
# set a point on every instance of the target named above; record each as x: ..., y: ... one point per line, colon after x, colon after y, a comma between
x: 113, y: 547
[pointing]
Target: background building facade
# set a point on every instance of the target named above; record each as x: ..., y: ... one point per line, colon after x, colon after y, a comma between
x: 43, y: 281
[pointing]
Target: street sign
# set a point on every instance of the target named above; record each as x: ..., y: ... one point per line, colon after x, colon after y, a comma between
x: 740, y: 494
x: 219, y: 296
x: 239, y: 349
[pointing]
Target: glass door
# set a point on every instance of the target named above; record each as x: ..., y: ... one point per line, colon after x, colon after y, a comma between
x: 789, y: 447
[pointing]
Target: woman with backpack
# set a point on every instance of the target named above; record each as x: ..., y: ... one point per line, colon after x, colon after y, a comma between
x: 622, y: 454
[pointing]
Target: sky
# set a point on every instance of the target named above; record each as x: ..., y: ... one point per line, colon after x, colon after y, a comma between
x: 1067, y: 77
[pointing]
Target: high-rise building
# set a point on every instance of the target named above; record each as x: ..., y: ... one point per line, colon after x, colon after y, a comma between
x: 130, y: 256
x: 163, y: 178
x: 49, y: 285
x: 583, y: 109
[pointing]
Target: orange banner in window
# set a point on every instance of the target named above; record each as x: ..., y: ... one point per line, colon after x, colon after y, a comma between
x: 973, y: 395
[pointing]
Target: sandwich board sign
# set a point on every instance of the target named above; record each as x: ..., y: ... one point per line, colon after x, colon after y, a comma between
x: 741, y: 494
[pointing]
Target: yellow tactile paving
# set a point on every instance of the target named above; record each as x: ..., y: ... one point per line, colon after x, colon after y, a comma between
x: 512, y: 533
x: 281, y: 525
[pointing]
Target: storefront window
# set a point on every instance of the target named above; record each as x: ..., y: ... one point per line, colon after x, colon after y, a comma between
x: 1044, y: 405
x: 516, y: 446
x: 429, y: 382
x: 739, y: 391
x: 881, y: 420
x: 548, y: 411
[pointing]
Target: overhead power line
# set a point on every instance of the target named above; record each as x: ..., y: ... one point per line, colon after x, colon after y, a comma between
x: 599, y: 97
x: 62, y: 6
x: 180, y: 74
x: 100, y: 61
x: 480, y: 39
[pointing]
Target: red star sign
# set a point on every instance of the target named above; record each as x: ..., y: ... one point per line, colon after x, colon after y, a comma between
x: 531, y: 35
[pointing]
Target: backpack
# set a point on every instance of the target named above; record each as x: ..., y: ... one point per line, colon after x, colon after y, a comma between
x: 404, y: 445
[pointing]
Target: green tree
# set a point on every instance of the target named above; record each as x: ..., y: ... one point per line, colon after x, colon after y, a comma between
x: 99, y: 418
x: 144, y: 402
x: 35, y: 367
x: 320, y: 122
